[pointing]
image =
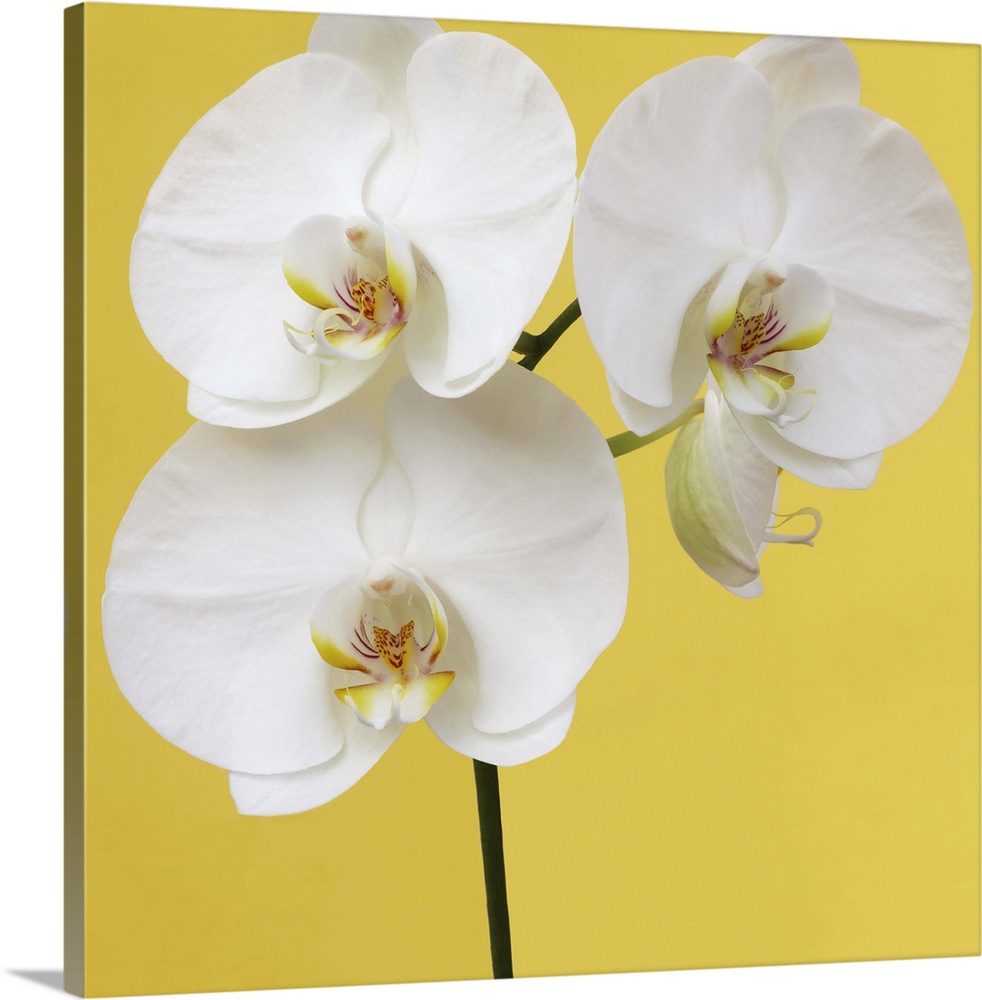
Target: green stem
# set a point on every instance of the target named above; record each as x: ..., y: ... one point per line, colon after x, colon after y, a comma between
x: 489, y: 817
x: 535, y: 348
x: 621, y: 444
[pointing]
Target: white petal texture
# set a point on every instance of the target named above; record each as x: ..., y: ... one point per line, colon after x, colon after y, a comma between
x: 747, y: 216
x: 481, y: 537
x: 282, y: 602
x: 392, y: 187
x: 492, y: 197
x: 206, y: 606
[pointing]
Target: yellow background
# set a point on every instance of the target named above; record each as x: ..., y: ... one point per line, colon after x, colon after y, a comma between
x: 793, y: 779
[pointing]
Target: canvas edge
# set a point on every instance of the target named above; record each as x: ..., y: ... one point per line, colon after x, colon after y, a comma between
x: 74, y: 514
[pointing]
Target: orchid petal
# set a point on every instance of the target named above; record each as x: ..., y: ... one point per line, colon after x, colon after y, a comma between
x: 805, y: 304
x: 216, y: 314
x: 437, y: 641
x: 656, y: 220
x: 518, y: 746
x: 803, y: 74
x: 298, y: 791
x: 314, y: 253
x: 717, y: 303
x: 425, y: 342
x: 338, y: 380
x: 381, y: 47
x: 821, y: 470
x: 214, y: 571
x: 643, y: 419
x: 385, y: 520
x: 400, y: 266
x: 332, y: 628
x: 451, y: 718
x: 205, y: 270
x: 422, y: 693
x: 689, y: 363
x: 720, y: 490
x: 867, y: 210
x: 491, y: 199
x: 526, y: 539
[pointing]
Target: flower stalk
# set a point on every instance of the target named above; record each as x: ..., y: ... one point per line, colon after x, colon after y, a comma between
x: 492, y: 850
x: 536, y: 347
x: 621, y: 444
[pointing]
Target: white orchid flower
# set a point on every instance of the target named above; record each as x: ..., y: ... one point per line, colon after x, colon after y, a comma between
x: 393, y: 184
x: 282, y: 602
x: 745, y: 216
x: 722, y: 498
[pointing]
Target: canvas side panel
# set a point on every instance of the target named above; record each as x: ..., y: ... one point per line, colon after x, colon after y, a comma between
x: 74, y: 494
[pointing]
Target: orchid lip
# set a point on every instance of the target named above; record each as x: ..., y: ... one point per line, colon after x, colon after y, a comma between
x: 753, y: 313
x: 360, y: 274
x: 389, y: 625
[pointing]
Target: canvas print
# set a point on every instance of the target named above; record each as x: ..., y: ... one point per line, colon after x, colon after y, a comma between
x: 525, y: 494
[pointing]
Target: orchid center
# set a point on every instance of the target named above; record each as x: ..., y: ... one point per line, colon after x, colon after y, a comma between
x: 389, y: 627
x: 754, y: 316
x: 361, y: 277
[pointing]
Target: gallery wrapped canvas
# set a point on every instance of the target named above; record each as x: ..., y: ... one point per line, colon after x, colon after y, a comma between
x: 456, y: 382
